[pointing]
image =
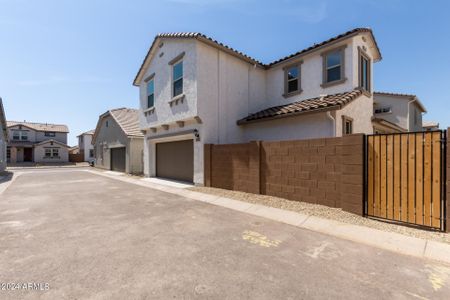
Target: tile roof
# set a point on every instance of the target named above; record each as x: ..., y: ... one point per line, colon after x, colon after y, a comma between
x: 89, y: 132
x: 206, y: 39
x: 41, y: 126
x: 128, y: 120
x: 426, y: 124
x: 333, y: 39
x: 329, y: 102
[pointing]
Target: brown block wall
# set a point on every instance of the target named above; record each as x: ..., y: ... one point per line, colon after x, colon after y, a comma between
x: 448, y: 183
x: 321, y: 171
x: 233, y: 167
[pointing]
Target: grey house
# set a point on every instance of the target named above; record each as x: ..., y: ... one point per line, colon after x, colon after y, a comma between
x: 3, y: 137
x: 118, y: 141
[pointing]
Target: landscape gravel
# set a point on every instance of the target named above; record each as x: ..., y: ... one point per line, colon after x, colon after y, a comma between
x: 325, y: 212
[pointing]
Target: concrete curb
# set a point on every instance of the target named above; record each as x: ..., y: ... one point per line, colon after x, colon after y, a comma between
x: 5, y: 182
x: 391, y: 241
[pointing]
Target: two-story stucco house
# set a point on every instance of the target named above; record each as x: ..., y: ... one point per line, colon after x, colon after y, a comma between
x: 37, y: 142
x: 85, y: 145
x: 195, y: 90
x: 397, y: 113
x: 3, y: 137
x: 118, y: 141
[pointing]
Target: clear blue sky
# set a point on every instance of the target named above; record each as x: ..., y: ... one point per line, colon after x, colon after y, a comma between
x: 66, y: 61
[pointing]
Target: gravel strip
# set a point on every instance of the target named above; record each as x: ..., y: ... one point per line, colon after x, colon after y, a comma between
x: 324, y: 212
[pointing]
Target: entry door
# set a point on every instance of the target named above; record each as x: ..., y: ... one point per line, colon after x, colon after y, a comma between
x: 28, y: 154
x: 175, y: 160
x: 118, y: 159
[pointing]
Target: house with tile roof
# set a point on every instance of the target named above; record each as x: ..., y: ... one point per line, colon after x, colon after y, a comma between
x: 37, y: 142
x: 118, y: 141
x: 3, y: 137
x: 85, y: 145
x: 195, y: 90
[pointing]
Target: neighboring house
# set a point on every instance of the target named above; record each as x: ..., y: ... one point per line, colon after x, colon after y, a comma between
x: 85, y: 145
x: 195, y: 90
x: 37, y: 142
x: 3, y: 137
x: 74, y: 150
x: 118, y: 141
x: 397, y: 113
x: 430, y: 125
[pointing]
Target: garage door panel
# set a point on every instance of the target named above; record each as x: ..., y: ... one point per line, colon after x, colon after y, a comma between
x: 175, y: 160
x: 118, y: 159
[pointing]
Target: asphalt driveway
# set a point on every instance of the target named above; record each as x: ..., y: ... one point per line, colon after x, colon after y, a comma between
x: 89, y: 236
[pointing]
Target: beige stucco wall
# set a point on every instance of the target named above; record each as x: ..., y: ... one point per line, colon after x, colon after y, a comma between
x: 399, y: 115
x: 39, y: 153
x: 360, y: 110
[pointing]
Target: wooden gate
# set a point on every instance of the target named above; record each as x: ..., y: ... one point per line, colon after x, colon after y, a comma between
x: 405, y: 177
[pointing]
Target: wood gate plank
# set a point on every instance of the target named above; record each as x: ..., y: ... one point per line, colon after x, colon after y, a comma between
x: 383, y: 187
x: 370, y: 170
x: 404, y: 181
x: 427, y: 180
x: 389, y: 177
x: 397, y: 177
x: 436, y: 190
x: 376, y: 148
x: 419, y: 178
x: 411, y: 177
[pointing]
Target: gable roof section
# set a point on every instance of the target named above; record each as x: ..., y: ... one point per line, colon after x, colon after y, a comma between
x: 410, y: 96
x: 3, y: 119
x: 41, y: 126
x: 89, y: 132
x: 214, y: 43
x: 318, y: 104
x: 126, y: 118
x: 51, y: 141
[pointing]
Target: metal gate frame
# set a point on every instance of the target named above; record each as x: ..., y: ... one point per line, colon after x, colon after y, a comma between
x: 443, y: 175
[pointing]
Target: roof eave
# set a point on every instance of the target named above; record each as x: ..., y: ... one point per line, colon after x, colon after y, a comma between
x: 294, y: 114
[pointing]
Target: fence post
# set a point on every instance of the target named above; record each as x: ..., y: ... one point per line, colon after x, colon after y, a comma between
x: 207, y: 164
x: 447, y: 198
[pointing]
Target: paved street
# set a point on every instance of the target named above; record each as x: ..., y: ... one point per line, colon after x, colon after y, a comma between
x: 89, y: 236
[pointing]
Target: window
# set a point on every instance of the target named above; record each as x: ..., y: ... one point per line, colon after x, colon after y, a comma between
x: 364, y: 71
x: 50, y: 134
x: 55, y: 152
x: 91, y: 153
x: 383, y: 110
x: 20, y: 135
x: 333, y: 67
x: 8, y: 153
x: 292, y: 80
x: 107, y: 124
x: 347, y: 125
x: 48, y: 152
x: 51, y: 152
x: 177, y: 79
x: 151, y: 93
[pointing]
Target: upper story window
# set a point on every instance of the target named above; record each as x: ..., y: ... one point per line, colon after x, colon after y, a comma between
x: 292, y: 80
x: 383, y: 110
x: 364, y: 70
x: 50, y: 133
x: 333, y: 67
x: 107, y: 123
x: 151, y: 93
x: 81, y: 139
x: 177, y: 75
x: 20, y: 135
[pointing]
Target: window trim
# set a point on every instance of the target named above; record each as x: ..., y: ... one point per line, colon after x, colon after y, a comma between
x: 298, y: 64
x: 363, y: 54
x: 344, y: 120
x: 324, y: 55
x: 50, y: 133
x: 176, y: 62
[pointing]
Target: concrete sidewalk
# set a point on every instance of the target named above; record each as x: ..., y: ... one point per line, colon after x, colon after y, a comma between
x: 384, y: 240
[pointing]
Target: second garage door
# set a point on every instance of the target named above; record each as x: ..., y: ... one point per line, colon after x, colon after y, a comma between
x: 175, y: 160
x: 118, y: 159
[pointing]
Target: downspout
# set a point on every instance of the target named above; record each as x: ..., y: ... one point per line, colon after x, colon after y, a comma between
x: 333, y: 122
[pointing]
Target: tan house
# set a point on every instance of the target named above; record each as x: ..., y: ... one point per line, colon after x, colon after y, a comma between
x: 37, y: 142
x: 3, y: 137
x: 118, y: 141
x: 394, y: 112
